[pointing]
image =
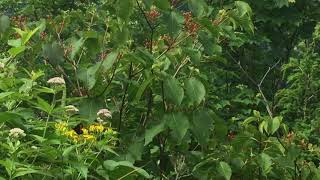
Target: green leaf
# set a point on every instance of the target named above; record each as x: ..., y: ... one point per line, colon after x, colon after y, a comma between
x: 16, y: 50
x: 265, y: 163
x: 153, y: 131
x: 109, y: 61
x: 76, y: 45
x: 243, y: 8
x: 135, y: 149
x: 113, y: 165
x: 173, y: 91
x: 142, y: 88
x: 90, y: 106
x: 4, y: 23
x: 173, y: 22
x: 68, y: 150
x: 225, y: 170
x: 15, y: 42
x: 89, y: 75
x: 12, y: 120
x: 125, y: 8
x: 29, y: 34
x: 272, y: 125
x: 201, y: 125
x: 4, y: 95
x: 197, y: 7
x: 24, y: 171
x: 162, y: 4
x: 195, y: 90
x: 281, y: 3
x: 178, y: 123
x: 53, y: 52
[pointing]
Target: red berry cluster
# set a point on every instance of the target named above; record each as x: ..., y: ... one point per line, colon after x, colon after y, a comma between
x: 167, y: 39
x: 19, y: 21
x: 191, y: 26
x: 43, y: 35
x: 152, y: 15
x: 231, y: 135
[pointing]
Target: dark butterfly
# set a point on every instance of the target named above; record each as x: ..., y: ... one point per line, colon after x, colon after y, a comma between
x: 78, y: 128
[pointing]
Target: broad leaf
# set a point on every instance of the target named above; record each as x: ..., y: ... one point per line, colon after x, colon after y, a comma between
x: 153, y: 131
x: 178, y: 123
x: 173, y: 91
x: 225, y: 170
x: 195, y: 90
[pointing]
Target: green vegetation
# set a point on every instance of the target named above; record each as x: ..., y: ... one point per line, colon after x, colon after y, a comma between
x: 159, y: 89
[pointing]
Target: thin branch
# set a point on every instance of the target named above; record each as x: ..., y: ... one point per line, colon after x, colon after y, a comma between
x: 124, y: 97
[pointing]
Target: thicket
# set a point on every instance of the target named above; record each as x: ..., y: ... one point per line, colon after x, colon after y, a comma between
x: 159, y: 89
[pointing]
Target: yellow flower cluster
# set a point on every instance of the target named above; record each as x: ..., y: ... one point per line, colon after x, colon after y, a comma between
x: 96, y: 128
x: 62, y: 128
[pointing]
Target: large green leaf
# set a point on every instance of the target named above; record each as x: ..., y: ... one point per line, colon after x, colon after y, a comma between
x: 225, y: 170
x: 76, y: 45
x: 125, y: 8
x: 153, y: 131
x: 178, y: 123
x: 162, y: 4
x: 90, y: 106
x: 201, y: 125
x: 243, y: 8
x: 89, y: 75
x: 197, y: 7
x: 54, y: 53
x: 173, y: 22
x: 265, y: 163
x: 173, y: 91
x: 114, y: 166
x: 195, y: 90
x: 4, y: 23
x: 109, y: 60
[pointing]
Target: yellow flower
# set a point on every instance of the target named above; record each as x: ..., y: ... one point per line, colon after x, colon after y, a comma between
x: 89, y: 137
x: 61, y: 127
x: 96, y: 128
x: 85, y: 131
x: 71, y: 134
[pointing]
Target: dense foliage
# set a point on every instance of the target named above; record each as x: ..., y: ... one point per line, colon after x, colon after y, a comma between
x: 159, y: 89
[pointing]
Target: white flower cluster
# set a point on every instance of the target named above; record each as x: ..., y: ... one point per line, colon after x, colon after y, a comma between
x: 103, y: 114
x: 56, y: 81
x: 71, y: 109
x: 16, y: 133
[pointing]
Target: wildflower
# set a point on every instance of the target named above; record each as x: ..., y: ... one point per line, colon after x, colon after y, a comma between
x: 98, y: 128
x: 104, y: 113
x: 89, y: 137
x: 16, y: 133
x: 71, y: 134
x: 61, y: 127
x: 99, y: 120
x: 85, y: 131
x: 70, y: 109
x: 110, y: 131
x: 56, y: 81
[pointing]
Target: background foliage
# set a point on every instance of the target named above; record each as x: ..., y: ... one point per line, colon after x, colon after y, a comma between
x: 198, y: 89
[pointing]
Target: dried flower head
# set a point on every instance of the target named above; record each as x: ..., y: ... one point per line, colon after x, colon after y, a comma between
x: 16, y: 133
x: 70, y: 109
x: 104, y: 114
x: 56, y: 81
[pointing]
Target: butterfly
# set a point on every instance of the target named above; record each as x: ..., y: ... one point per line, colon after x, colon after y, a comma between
x: 78, y: 128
